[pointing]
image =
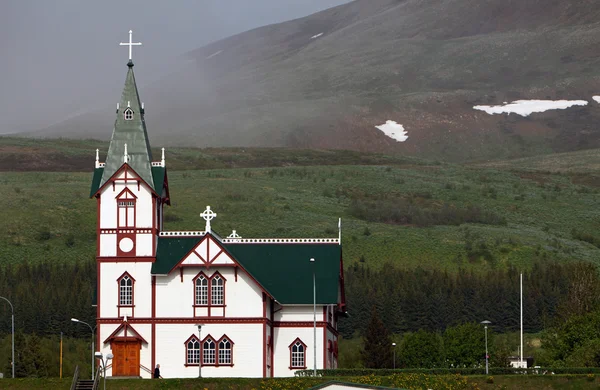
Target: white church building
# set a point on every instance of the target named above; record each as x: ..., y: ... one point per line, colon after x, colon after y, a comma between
x: 196, y: 302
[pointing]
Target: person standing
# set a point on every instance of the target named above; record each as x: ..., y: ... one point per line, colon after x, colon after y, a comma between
x: 157, y: 372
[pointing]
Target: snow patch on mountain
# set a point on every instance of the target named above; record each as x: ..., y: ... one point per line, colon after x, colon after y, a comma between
x: 527, y: 107
x: 394, y: 130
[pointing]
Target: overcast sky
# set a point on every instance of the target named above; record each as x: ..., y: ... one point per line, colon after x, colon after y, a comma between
x: 60, y: 57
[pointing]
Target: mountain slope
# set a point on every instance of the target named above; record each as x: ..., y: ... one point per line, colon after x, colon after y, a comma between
x: 326, y: 80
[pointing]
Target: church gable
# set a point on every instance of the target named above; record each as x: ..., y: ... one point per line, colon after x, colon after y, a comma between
x: 208, y: 253
x: 124, y: 175
x: 125, y: 332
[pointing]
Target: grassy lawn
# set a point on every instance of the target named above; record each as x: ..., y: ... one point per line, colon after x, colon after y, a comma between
x: 475, y: 382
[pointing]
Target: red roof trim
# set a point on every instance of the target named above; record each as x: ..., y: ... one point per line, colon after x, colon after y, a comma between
x: 117, y: 172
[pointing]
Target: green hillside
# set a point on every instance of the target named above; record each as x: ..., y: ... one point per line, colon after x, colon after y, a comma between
x: 408, y: 212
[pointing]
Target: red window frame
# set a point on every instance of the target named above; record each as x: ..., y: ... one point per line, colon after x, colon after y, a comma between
x: 190, y: 339
x: 292, y: 367
x: 119, y: 305
x: 125, y: 197
x: 231, y: 343
x: 209, y: 302
x: 202, y: 274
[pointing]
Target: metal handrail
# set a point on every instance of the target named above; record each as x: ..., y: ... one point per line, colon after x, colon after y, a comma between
x: 96, y: 378
x: 75, y: 378
x: 146, y: 369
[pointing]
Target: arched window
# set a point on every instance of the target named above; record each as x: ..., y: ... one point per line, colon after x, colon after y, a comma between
x: 201, y: 290
x: 128, y: 114
x: 192, y: 347
x: 126, y: 291
x: 297, y: 354
x: 209, y: 352
x: 217, y: 290
x: 224, y: 351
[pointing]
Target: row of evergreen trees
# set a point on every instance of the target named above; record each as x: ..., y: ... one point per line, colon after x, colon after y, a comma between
x: 410, y: 300
x: 46, y: 296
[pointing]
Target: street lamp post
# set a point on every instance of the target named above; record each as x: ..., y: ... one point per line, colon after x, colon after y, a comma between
x: 486, y: 323
x: 312, y: 260
x: 199, y: 352
x: 12, y: 310
x: 92, y: 330
x: 104, y: 362
x: 394, y: 349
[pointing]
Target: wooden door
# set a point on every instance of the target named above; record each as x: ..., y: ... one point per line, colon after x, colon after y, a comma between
x: 126, y: 360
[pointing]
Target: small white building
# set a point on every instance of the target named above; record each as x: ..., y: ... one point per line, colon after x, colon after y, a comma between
x: 253, y: 298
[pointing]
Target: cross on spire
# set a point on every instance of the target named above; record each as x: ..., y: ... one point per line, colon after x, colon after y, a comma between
x: 131, y: 43
x: 208, y: 215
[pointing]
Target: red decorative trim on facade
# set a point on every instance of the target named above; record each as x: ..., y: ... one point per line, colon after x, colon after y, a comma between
x: 222, y: 249
x: 115, y: 178
x: 129, y: 230
x: 138, y: 259
x: 186, y: 320
x: 125, y: 326
x: 153, y: 326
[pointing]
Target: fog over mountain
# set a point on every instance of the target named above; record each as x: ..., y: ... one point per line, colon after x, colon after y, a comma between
x: 61, y: 58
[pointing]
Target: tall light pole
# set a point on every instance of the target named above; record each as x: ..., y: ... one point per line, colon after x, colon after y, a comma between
x: 312, y: 260
x: 12, y: 310
x: 200, y: 351
x: 394, y: 349
x: 92, y: 330
x: 104, y: 361
x: 486, y: 323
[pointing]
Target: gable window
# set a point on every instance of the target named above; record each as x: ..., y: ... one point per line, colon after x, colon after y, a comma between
x: 225, y: 351
x: 201, y: 287
x: 209, y: 291
x: 128, y: 114
x: 125, y: 291
x: 297, y: 354
x: 217, y: 290
x: 209, y: 352
x: 192, y: 351
x: 126, y: 209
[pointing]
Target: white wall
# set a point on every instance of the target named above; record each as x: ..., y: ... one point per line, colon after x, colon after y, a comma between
x: 109, y: 288
x: 298, y: 313
x: 247, y: 350
x: 284, y: 337
x: 176, y: 299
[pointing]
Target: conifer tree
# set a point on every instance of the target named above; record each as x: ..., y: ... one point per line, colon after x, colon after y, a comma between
x: 377, y: 347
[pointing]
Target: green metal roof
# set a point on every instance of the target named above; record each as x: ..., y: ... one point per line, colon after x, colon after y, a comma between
x: 158, y: 178
x: 283, y: 270
x: 131, y: 132
x: 96, y: 181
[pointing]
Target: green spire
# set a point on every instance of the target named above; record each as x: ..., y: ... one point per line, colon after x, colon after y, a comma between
x: 130, y: 130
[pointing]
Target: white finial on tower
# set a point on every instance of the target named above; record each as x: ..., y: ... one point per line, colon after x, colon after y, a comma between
x: 162, y: 159
x: 97, y: 158
x: 142, y: 105
x: 340, y: 231
x: 208, y: 215
x: 117, y: 106
x: 130, y: 44
x: 125, y: 155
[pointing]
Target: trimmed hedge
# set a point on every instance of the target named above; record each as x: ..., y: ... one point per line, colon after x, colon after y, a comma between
x: 449, y: 371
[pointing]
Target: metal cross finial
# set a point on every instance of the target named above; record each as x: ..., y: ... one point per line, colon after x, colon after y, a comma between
x: 234, y: 235
x: 131, y: 43
x: 208, y: 215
